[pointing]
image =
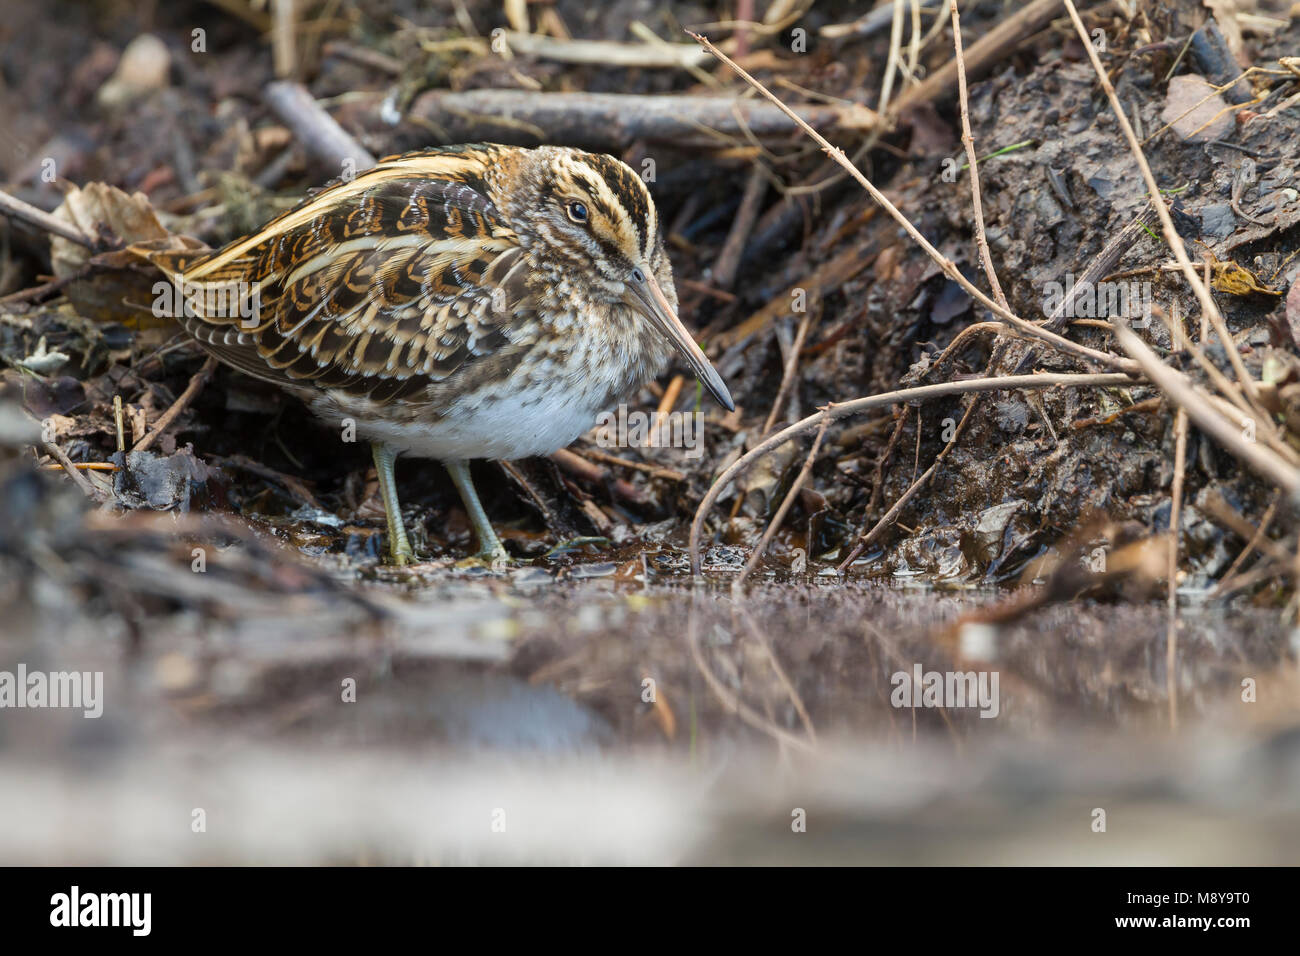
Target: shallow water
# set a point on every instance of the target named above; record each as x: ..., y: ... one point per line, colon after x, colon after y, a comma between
x: 614, y: 720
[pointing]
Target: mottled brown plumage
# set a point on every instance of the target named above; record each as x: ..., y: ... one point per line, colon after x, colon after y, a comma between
x: 465, y: 302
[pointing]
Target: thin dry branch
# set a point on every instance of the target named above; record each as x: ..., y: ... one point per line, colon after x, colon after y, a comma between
x: 1180, y: 390
x: 1175, y: 241
x: 320, y: 135
x: 1227, y: 581
x: 986, y: 259
x: 788, y: 501
x: 968, y: 141
x: 988, y: 50
x: 896, y: 509
x: 1237, y: 405
x: 949, y: 268
x: 197, y: 381
x: 788, y: 373
x: 837, y: 410
x: 610, y: 120
x: 742, y: 227
x: 605, y: 52
x: 15, y: 208
x: 80, y: 480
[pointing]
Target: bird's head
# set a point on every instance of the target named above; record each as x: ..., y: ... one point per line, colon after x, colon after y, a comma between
x: 592, y: 218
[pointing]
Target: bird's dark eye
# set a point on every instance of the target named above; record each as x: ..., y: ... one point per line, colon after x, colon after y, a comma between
x: 577, y: 212
x: 638, y: 275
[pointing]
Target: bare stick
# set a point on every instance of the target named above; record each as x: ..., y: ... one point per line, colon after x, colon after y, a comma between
x: 1208, y: 306
x: 609, y: 120
x: 283, y: 51
x: 878, y: 481
x: 197, y: 381
x: 655, y: 471
x: 575, y: 464
x: 15, y: 208
x: 320, y: 135
x: 605, y: 53
x: 1202, y: 412
x: 80, y: 480
x: 988, y: 50
x: 1253, y: 545
x: 37, y: 291
x: 788, y: 373
x: 1237, y: 403
x: 1101, y: 264
x: 668, y: 401
x: 837, y: 410
x: 981, y: 240
x: 1175, y: 519
x: 949, y: 268
x: 982, y: 243
x: 84, y: 466
x: 1227, y: 516
x: 896, y: 509
x: 781, y: 512
x: 742, y: 227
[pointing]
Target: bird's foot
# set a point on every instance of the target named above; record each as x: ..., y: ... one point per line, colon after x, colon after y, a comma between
x: 400, y: 557
x: 497, y: 560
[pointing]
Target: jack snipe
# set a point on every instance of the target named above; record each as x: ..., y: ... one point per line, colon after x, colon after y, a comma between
x: 466, y: 302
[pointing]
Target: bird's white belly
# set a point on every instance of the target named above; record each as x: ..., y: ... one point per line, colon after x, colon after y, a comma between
x: 513, y: 426
x: 545, y: 404
x: 536, y: 418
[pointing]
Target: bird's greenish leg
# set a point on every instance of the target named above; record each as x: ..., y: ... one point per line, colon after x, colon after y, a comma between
x: 490, y: 549
x: 399, y: 548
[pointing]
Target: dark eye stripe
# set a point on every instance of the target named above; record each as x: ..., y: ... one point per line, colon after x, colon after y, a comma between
x: 612, y: 252
x: 587, y: 183
x: 631, y: 193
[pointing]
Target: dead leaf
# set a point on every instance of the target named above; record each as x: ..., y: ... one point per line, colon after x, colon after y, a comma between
x: 119, y: 285
x: 98, y: 209
x: 1228, y: 276
x: 1195, y: 111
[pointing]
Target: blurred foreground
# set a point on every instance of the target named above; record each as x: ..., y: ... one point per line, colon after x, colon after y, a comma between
x: 512, y: 723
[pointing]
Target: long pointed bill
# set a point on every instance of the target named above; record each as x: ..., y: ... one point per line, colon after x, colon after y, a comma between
x: 647, y: 298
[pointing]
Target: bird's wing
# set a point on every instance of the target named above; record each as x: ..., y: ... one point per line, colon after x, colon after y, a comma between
x: 381, y: 286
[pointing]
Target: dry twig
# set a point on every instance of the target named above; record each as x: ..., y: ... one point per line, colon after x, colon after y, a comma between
x: 15, y: 208
x: 837, y: 410
x: 197, y: 381
x: 986, y: 259
x: 1184, y: 394
x: 1201, y: 288
x: 949, y: 268
x: 320, y: 135
x: 788, y: 501
x: 613, y: 120
x: 80, y: 480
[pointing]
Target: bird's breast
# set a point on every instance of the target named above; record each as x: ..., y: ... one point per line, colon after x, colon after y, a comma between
x: 550, y: 397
